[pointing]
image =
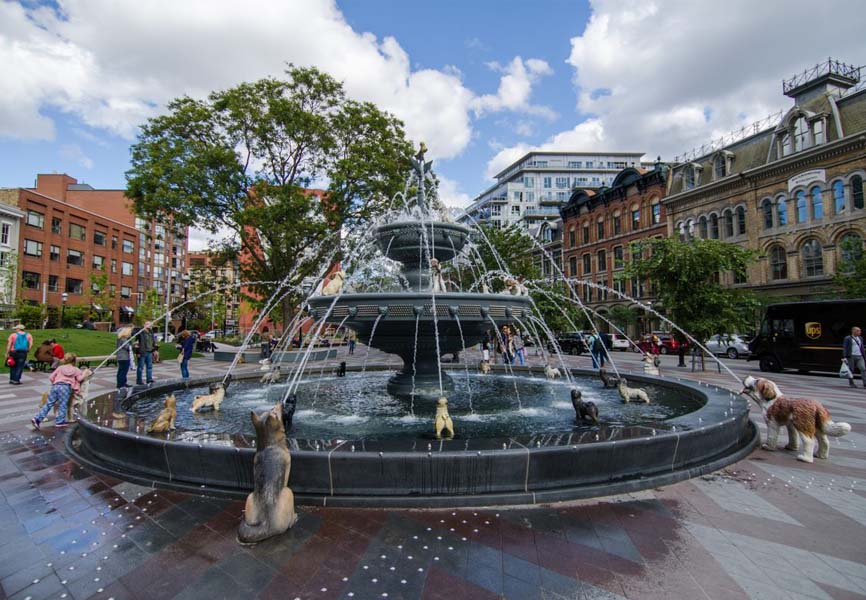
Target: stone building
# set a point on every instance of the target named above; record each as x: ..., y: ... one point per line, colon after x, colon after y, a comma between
x: 790, y: 188
x: 598, y: 229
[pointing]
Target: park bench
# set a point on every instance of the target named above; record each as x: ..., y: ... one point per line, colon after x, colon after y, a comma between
x: 87, y: 361
x: 40, y: 365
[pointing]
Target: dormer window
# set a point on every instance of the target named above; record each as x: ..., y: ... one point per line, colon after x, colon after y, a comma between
x: 722, y: 164
x: 690, y: 177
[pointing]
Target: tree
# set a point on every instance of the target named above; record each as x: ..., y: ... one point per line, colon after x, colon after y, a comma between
x: 242, y: 160
x: 150, y: 308
x: 100, y: 291
x: 686, y: 274
x: 622, y: 316
x: 851, y: 274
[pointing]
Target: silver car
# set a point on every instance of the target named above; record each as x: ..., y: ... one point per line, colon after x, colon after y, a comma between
x: 731, y: 345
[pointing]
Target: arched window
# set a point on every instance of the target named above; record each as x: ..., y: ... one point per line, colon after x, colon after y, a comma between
x: 851, y: 249
x: 778, y: 263
x: 690, y: 229
x: 656, y: 209
x: 741, y: 220
x: 714, y: 226
x: 681, y: 228
x: 813, y: 259
x: 703, y: 230
x: 782, y: 211
x: 802, y: 207
x: 838, y: 197
x: 817, y: 203
x: 767, y: 209
x: 720, y: 167
x: 729, y: 224
x: 857, y: 191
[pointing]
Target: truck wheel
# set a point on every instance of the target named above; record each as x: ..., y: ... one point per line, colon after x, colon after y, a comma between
x: 664, y: 350
x: 732, y: 353
x: 574, y: 351
x: 770, y: 363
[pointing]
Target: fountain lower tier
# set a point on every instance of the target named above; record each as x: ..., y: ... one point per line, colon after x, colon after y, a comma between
x: 387, y: 322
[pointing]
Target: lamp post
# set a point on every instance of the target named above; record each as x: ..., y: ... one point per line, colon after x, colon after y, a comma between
x: 185, y: 278
x: 63, y: 298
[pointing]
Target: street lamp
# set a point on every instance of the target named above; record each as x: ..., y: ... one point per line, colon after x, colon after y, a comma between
x: 185, y: 278
x: 63, y: 298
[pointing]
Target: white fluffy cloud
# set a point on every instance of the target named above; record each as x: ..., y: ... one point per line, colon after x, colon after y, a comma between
x: 450, y: 195
x: 113, y: 64
x: 515, y: 88
x: 664, y: 76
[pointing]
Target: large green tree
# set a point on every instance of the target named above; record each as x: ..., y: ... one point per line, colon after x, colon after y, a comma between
x: 241, y: 160
x: 686, y: 278
x: 851, y: 274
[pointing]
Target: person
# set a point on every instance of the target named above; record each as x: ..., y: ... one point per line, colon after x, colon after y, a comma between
x: 353, y: 339
x: 519, y: 350
x: 88, y: 324
x: 507, y: 342
x: 266, y: 343
x: 146, y: 344
x: 45, y: 353
x: 655, y: 344
x: 124, y: 356
x: 57, y: 353
x: 187, y: 341
x: 65, y: 381
x: 854, y: 356
x: 17, y: 347
x: 595, y: 344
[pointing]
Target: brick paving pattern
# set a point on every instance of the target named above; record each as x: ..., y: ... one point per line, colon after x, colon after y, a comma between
x: 767, y: 527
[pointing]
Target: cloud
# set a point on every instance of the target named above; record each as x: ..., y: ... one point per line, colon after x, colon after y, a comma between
x: 515, y: 88
x: 74, y: 152
x: 200, y: 240
x: 668, y: 75
x: 450, y: 195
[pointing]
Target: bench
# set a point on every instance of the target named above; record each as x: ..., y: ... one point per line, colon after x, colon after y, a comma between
x: 87, y: 361
x: 41, y: 365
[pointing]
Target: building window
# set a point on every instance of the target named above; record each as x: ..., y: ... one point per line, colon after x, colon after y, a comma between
x: 128, y: 247
x: 529, y: 182
x: 74, y: 257
x: 575, y: 164
x: 518, y: 196
x: 585, y: 235
x: 74, y: 286
x: 851, y: 249
x: 741, y: 220
x: 572, y: 266
x: 32, y: 248
x: 714, y: 226
x: 818, y: 131
x: 515, y: 210
x: 587, y: 294
x: 53, y: 283
x: 114, y: 242
x: 30, y: 280
x: 125, y: 291
x: 838, y: 197
x: 689, y: 176
x: 618, y: 257
x: 35, y: 219
x: 562, y: 183
x: 4, y: 233
x: 530, y: 196
x: 602, y: 260
x: 114, y: 265
x: 98, y: 262
x: 767, y: 210
x: 547, y: 181
x: 729, y: 224
x: 703, y: 228
x: 817, y: 203
x: 56, y: 226
x: 571, y: 240
x: 778, y: 263
x: 813, y: 259
x: 782, y: 211
x: 587, y: 264
x: 99, y: 238
x: 77, y: 232
x: 54, y: 253
x: 720, y: 167
x: 599, y: 229
x: 635, y: 219
x: 801, y: 134
x: 857, y: 191
x: 617, y: 223
x: 802, y: 207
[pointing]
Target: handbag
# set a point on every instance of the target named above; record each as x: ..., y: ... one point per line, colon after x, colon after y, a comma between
x: 180, y: 358
x: 844, y: 371
x: 10, y: 362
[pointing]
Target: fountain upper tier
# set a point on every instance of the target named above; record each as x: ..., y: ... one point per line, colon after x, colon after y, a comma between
x: 414, y: 243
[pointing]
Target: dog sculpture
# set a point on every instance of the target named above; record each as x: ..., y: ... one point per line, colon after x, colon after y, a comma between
x: 333, y: 287
x: 585, y: 410
x: 438, y: 280
x: 272, y: 376
x: 552, y: 372
x: 443, y: 419
x: 212, y: 400
x: 165, y: 419
x: 288, y: 411
x: 270, y: 508
x: 75, y: 400
x: 341, y: 370
x: 651, y: 364
x: 484, y: 367
x: 607, y: 381
x: 806, y: 420
x: 628, y: 393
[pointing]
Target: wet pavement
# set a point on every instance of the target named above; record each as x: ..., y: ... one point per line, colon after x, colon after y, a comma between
x: 766, y: 527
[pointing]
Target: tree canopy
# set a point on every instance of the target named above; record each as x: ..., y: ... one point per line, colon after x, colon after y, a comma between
x: 242, y: 161
x: 851, y: 274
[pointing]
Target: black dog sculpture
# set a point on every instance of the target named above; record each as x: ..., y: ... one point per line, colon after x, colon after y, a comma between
x: 608, y: 381
x: 288, y: 411
x: 341, y: 370
x: 585, y: 411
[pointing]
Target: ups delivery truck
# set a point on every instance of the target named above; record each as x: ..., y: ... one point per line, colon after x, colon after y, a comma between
x: 806, y: 336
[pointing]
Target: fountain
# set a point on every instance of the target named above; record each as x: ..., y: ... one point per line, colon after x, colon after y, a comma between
x: 364, y: 435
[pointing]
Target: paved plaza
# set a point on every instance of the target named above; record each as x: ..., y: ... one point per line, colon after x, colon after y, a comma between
x: 767, y: 527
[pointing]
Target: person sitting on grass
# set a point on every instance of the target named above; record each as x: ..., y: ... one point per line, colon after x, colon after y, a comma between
x: 65, y: 380
x: 57, y: 352
x: 44, y: 353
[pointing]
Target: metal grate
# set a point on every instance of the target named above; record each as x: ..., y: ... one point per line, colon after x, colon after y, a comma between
x: 441, y: 310
x: 368, y: 310
x: 469, y: 311
x: 400, y: 310
x: 497, y: 312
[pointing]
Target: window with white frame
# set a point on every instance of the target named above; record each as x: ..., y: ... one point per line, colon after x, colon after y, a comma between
x: 5, y: 229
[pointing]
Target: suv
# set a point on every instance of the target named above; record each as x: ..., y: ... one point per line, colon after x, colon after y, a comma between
x: 569, y: 343
x: 669, y: 344
x: 619, y: 342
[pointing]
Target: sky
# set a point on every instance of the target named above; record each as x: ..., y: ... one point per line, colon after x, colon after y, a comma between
x: 481, y: 82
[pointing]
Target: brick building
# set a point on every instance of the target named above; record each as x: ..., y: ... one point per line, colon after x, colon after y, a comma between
x: 207, y: 271
x: 598, y: 228
x: 791, y: 188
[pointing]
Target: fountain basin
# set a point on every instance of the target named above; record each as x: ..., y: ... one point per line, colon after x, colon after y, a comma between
x: 416, y: 471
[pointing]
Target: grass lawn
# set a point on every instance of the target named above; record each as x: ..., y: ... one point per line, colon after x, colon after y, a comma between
x: 83, y: 342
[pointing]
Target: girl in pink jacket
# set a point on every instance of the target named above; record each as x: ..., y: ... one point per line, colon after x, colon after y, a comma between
x: 65, y: 380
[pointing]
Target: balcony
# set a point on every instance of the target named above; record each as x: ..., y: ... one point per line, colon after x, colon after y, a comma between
x: 551, y: 201
x: 541, y: 212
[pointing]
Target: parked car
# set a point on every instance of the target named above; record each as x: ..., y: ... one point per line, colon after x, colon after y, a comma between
x: 569, y: 343
x: 669, y: 344
x: 619, y: 342
x: 731, y: 345
x: 159, y: 335
x: 213, y: 333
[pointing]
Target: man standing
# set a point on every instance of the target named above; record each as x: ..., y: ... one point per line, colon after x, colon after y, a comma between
x: 852, y: 351
x: 17, y: 347
x: 146, y: 345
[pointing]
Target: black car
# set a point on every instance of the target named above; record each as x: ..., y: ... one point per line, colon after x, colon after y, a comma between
x: 569, y: 343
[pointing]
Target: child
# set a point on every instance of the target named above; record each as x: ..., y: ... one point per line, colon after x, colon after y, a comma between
x: 65, y: 380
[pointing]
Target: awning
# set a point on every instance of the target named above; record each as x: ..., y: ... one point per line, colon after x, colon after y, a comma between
x: 128, y: 310
x: 97, y: 307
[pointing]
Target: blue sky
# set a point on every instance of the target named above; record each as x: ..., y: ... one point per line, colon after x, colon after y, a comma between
x: 480, y: 81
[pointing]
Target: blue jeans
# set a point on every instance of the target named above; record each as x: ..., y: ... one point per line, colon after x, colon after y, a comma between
x: 597, y: 359
x: 122, y: 370
x: 521, y: 356
x: 184, y: 368
x: 20, y: 357
x: 60, y: 392
x: 144, y: 361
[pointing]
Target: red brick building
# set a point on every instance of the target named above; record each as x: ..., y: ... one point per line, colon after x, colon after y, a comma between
x: 598, y: 229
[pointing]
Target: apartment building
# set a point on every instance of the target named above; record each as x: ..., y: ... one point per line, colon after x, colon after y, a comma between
x: 207, y: 271
x: 10, y: 226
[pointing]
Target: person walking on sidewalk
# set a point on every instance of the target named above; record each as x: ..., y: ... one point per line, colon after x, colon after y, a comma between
x: 146, y: 346
x: 187, y: 341
x: 124, y: 355
x: 853, y: 355
x: 65, y: 381
x: 17, y: 347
